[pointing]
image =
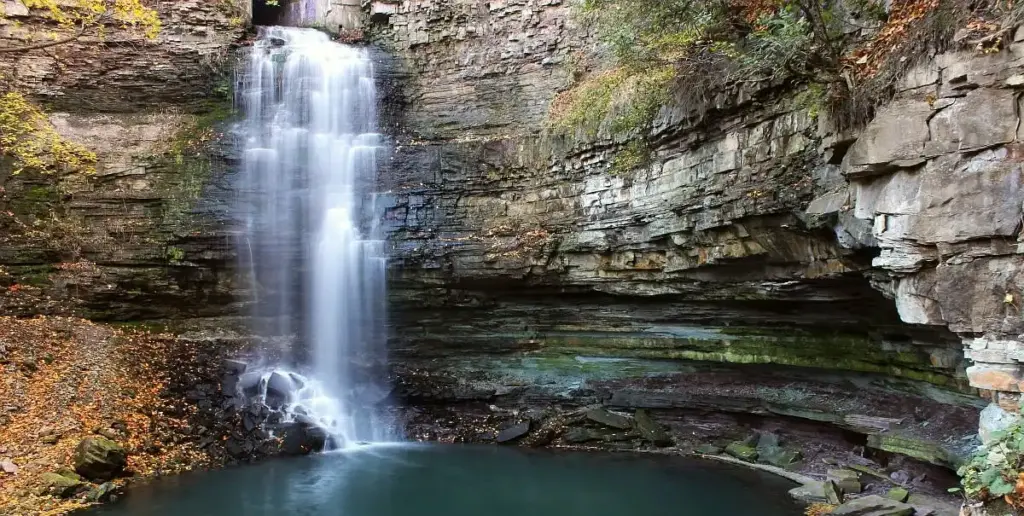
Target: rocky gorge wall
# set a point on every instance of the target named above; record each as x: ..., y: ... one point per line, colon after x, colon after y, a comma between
x: 761, y: 267
x: 759, y: 244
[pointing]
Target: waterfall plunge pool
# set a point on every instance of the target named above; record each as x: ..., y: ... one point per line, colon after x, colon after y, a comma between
x: 454, y: 480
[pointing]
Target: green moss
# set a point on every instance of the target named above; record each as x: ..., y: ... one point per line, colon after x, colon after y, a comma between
x: 175, y: 254
x: 764, y: 346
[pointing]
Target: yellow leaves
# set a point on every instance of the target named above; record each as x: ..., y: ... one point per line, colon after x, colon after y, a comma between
x: 27, y: 136
x: 93, y: 14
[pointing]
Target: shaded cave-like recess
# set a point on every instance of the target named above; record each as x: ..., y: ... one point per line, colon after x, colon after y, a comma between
x: 270, y: 14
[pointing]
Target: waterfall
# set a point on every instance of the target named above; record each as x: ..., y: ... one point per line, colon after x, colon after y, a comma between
x: 310, y: 240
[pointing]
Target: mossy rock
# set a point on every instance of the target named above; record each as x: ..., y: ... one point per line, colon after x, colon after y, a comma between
x: 99, y: 458
x: 898, y: 493
x: 59, y: 485
x: 742, y: 451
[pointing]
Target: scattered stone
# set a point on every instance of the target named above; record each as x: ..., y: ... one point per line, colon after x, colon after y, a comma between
x: 900, y: 477
x: 651, y: 430
x: 607, y: 418
x: 708, y: 449
x: 898, y: 493
x: 742, y: 451
x: 8, y: 466
x: 99, y: 458
x: 59, y: 485
x: 109, y: 433
x: 810, y: 492
x: 873, y: 505
x: 48, y: 435
x: 833, y: 494
x: 780, y: 457
x: 847, y: 480
x: 513, y: 432
x: 581, y: 435
x: 104, y: 492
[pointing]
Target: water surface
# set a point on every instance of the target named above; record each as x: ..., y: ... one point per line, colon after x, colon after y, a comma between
x: 466, y: 481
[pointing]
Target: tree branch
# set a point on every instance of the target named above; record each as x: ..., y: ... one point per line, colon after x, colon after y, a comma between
x: 81, y: 32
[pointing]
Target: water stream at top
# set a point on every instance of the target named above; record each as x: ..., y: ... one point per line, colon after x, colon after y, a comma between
x: 310, y: 239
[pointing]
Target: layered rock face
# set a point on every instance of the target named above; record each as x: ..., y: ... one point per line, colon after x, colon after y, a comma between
x: 852, y: 265
x: 761, y: 265
x: 137, y: 239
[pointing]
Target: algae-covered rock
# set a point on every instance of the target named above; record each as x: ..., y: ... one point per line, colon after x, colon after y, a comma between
x: 873, y: 505
x: 833, y: 494
x: 58, y: 485
x: 99, y: 458
x: 651, y: 430
x: 607, y: 418
x: 847, y: 479
x: 742, y: 451
x: 898, y: 493
x: 104, y: 492
x: 780, y: 457
x: 810, y: 492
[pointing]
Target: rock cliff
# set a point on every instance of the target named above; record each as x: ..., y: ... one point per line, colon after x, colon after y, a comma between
x: 763, y: 266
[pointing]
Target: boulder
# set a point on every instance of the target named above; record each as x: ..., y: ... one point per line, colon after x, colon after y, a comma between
x: 833, y: 494
x: 898, y: 493
x: 280, y: 389
x: 301, y: 439
x: 847, y: 480
x: 873, y: 505
x: 651, y: 430
x: 780, y: 457
x: 607, y: 418
x: 742, y: 451
x: 811, y: 492
x: 105, y: 492
x: 8, y: 466
x: 513, y: 432
x: 99, y: 458
x: 581, y: 435
x: 59, y: 485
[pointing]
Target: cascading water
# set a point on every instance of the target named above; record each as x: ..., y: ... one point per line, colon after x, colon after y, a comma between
x: 317, y: 261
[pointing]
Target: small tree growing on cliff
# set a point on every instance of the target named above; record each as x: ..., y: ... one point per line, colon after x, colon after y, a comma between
x: 77, y: 18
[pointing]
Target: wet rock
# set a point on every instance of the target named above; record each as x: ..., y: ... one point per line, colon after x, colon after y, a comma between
x: 833, y: 494
x: 742, y: 451
x: 280, y: 389
x: 104, y: 492
x: 99, y: 458
x: 513, y: 432
x: 898, y: 493
x: 651, y: 430
x: 847, y: 480
x: 234, y: 367
x: 873, y: 505
x: 301, y: 439
x: 780, y: 457
x: 708, y: 449
x: 60, y: 485
x: 608, y: 418
x: 581, y: 435
x: 810, y: 492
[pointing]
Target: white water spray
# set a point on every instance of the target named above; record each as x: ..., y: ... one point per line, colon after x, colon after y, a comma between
x: 317, y: 260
